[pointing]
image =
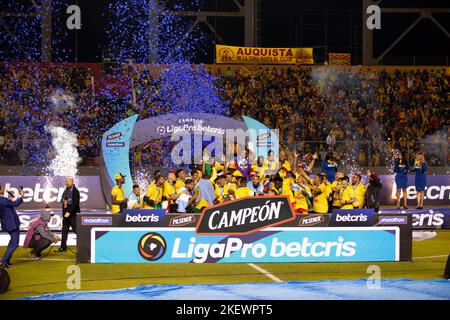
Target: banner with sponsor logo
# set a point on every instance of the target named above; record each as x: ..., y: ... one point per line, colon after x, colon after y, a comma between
x: 166, y: 245
x: 437, y: 191
x: 432, y: 218
x: 246, y: 221
x: 246, y: 215
x: 127, y: 219
x: 233, y: 54
x: 42, y: 191
x: 339, y: 59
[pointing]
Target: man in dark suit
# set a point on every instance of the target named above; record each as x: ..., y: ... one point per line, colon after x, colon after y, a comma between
x: 70, y: 207
x: 10, y: 223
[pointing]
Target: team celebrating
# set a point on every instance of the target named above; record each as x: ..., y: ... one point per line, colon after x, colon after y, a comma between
x: 213, y: 183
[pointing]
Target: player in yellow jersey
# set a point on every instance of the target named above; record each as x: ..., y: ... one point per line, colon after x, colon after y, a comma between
x: 336, y: 188
x: 153, y: 194
x: 221, y: 190
x: 243, y: 190
x: 347, y: 196
x: 118, y: 200
x: 169, y: 194
x: 181, y: 175
x: 302, y: 194
x: 276, y: 186
x: 320, y: 192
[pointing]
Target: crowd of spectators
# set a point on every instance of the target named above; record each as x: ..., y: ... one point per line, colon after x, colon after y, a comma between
x: 407, y: 109
x: 356, y: 111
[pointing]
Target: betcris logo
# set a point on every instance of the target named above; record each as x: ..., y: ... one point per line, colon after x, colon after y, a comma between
x: 140, y: 218
x: 350, y: 218
x: 431, y: 219
x: 183, y: 245
x: 40, y: 193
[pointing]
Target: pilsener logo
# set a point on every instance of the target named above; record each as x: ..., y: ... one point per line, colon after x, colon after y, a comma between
x: 311, y: 220
x: 246, y: 215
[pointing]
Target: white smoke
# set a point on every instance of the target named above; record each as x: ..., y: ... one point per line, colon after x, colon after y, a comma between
x: 64, y: 143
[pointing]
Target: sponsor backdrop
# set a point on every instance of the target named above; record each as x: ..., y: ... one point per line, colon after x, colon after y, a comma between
x: 137, y: 223
x: 42, y: 191
x: 166, y: 245
x: 233, y: 54
x: 437, y: 192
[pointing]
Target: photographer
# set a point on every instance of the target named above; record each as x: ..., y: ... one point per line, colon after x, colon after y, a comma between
x: 70, y: 207
x: 39, y: 237
x: 10, y: 223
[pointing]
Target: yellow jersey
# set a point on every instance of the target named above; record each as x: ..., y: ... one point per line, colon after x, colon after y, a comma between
x: 320, y: 201
x: 221, y: 192
x: 261, y: 170
x: 153, y: 193
x: 243, y: 192
x: 168, y: 189
x: 231, y: 186
x: 347, y: 194
x: 119, y: 193
x: 287, y: 189
x: 359, y: 194
x: 336, y: 201
x: 301, y: 202
x: 178, y: 185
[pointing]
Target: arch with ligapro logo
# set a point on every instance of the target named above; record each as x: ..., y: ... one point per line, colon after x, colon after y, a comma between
x: 131, y: 132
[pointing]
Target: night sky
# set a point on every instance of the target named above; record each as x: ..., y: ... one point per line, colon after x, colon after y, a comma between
x: 330, y: 26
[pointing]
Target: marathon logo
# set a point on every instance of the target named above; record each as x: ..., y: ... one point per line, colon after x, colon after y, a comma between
x: 182, y: 220
x: 245, y: 216
x: 96, y: 221
x: 264, y: 144
x: 393, y: 220
x: 311, y: 220
x: 114, y: 136
x: 115, y: 144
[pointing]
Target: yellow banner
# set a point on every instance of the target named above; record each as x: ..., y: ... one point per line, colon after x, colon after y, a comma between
x: 343, y: 59
x: 232, y: 54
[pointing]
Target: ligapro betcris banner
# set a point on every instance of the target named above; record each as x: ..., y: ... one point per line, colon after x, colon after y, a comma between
x: 42, y: 191
x: 171, y: 245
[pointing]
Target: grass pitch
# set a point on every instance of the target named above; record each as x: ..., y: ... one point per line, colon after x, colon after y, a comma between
x: 32, y: 278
